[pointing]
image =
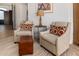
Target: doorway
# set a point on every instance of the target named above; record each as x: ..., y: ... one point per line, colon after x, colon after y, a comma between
x: 76, y: 23
x: 8, y: 17
x: 6, y: 21
x: 1, y: 17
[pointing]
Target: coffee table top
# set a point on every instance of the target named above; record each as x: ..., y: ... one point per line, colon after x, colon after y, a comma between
x: 25, y: 39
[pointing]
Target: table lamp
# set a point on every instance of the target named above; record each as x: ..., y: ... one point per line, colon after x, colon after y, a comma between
x: 40, y: 13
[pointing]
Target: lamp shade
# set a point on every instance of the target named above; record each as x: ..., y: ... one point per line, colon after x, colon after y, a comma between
x: 40, y: 13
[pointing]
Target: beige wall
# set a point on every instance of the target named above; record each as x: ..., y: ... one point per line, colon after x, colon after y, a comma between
x: 6, y: 6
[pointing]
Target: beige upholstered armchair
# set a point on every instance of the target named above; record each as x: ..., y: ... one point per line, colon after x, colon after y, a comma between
x: 23, y: 30
x: 53, y: 43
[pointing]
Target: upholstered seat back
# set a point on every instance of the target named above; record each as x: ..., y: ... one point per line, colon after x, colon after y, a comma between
x: 60, y: 23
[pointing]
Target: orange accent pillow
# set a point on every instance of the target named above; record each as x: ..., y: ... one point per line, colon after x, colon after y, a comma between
x: 57, y: 30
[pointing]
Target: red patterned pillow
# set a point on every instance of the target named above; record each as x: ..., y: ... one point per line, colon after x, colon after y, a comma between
x: 27, y: 27
x: 57, y: 30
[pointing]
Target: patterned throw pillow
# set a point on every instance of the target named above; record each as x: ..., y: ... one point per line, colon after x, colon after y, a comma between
x: 26, y: 27
x: 57, y: 30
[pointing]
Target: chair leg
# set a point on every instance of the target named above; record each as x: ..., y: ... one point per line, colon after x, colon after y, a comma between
x: 16, y: 42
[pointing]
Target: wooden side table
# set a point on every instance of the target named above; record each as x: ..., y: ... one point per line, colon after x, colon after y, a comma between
x: 25, y: 45
x: 37, y: 30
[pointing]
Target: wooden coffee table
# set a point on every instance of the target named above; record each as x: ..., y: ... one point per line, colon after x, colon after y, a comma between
x: 25, y: 45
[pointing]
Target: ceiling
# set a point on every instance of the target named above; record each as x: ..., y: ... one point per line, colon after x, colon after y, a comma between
x: 7, y: 6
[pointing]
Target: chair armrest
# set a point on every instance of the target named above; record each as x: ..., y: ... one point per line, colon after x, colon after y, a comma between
x: 63, y: 41
x: 44, y: 32
x: 65, y: 36
x: 15, y: 31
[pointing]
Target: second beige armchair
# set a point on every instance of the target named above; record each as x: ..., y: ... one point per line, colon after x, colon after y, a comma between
x: 56, y: 44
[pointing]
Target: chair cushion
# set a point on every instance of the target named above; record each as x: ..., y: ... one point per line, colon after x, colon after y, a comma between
x: 59, y: 23
x: 27, y: 33
x: 49, y: 37
x: 57, y: 30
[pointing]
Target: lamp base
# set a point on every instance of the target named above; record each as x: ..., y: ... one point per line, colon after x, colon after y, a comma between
x: 40, y: 22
